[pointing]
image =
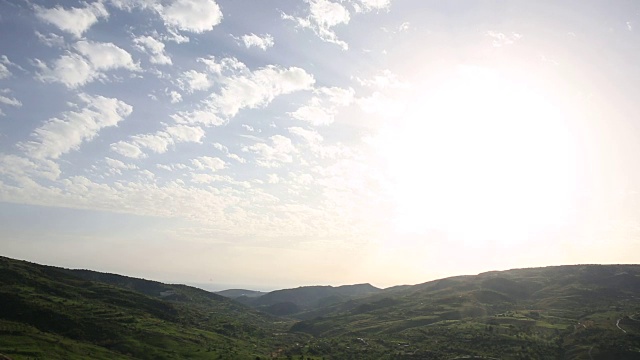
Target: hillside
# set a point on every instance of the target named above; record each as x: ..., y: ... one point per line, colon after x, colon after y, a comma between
x: 563, y: 312
x: 54, y: 313
x: 303, y: 299
x: 566, y: 312
x: 236, y: 293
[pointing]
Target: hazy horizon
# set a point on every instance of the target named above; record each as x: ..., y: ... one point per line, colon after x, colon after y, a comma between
x: 319, y: 142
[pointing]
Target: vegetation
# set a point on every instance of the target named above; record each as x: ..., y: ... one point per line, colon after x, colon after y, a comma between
x: 566, y: 312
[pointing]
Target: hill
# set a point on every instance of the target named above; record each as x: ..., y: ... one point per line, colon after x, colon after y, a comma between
x: 306, y: 298
x: 565, y: 312
x: 53, y: 313
x: 562, y: 312
x: 236, y: 293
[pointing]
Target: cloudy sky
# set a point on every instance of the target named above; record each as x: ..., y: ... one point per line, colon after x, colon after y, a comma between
x: 280, y: 143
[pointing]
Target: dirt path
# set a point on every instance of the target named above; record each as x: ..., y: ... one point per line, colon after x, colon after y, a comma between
x: 618, y: 325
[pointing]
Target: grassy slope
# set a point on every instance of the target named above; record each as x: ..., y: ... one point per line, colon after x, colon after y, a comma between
x: 49, y: 313
x: 567, y: 312
x: 555, y: 312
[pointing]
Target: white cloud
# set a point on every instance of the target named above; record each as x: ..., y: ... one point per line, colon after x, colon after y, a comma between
x: 384, y: 80
x: 116, y: 166
x: 127, y: 149
x: 629, y: 26
x: 105, y: 56
x: 159, y: 141
x: 154, y: 48
x: 248, y: 127
x: 258, y: 88
x: 208, y: 163
x: 500, y: 39
x: 71, y: 69
x: 183, y: 133
x: 22, y: 169
x: 273, y: 178
x: 322, y: 108
x: 312, y: 137
x: 280, y: 151
x: 51, y: 40
x: 323, y: 16
x: 195, y: 81
x: 4, y: 72
x: 229, y: 154
x: 10, y: 101
x: 369, y: 5
x: 191, y: 15
x: 204, y: 117
x: 74, y: 70
x: 262, y: 42
x: 58, y: 136
x: 176, y: 97
x: 74, y: 20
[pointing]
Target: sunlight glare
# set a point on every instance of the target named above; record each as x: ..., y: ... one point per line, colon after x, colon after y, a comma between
x: 481, y: 156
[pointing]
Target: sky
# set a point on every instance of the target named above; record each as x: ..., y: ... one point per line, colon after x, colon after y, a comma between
x: 281, y: 143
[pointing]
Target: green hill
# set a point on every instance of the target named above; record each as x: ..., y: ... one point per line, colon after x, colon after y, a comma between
x: 53, y: 313
x: 236, y: 293
x: 563, y: 312
x: 295, y: 302
x: 566, y: 312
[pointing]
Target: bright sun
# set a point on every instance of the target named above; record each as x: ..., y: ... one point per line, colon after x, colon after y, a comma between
x: 480, y: 156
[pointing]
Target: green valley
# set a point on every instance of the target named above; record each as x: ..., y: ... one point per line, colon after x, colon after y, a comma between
x: 563, y: 312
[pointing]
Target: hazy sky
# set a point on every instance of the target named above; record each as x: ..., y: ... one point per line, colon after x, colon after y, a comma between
x: 280, y: 143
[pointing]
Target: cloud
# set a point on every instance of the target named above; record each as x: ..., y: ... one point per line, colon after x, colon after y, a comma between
x: 370, y: 5
x: 191, y: 15
x: 51, y: 40
x: 323, y: 16
x: 176, y: 97
x: 58, y: 136
x: 384, y: 80
x: 253, y: 40
x: 71, y: 69
x: 23, y: 169
x: 204, y: 117
x: 323, y: 107
x: 159, y: 141
x: 183, y: 133
x: 500, y: 39
x: 229, y: 154
x: 239, y: 88
x: 4, y: 72
x: 127, y: 149
x: 154, y: 48
x: 106, y: 56
x: 310, y: 136
x: 258, y: 88
x: 74, y: 20
x: 208, y: 163
x: 194, y: 81
x: 74, y: 70
x: 116, y: 166
x: 280, y: 151
x: 10, y: 101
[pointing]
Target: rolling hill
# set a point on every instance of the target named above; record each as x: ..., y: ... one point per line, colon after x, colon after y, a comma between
x: 562, y: 312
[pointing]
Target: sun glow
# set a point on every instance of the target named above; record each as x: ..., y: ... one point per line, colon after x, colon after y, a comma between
x: 480, y: 156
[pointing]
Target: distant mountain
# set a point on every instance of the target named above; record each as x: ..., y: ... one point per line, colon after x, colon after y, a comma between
x: 236, y: 293
x: 307, y: 298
